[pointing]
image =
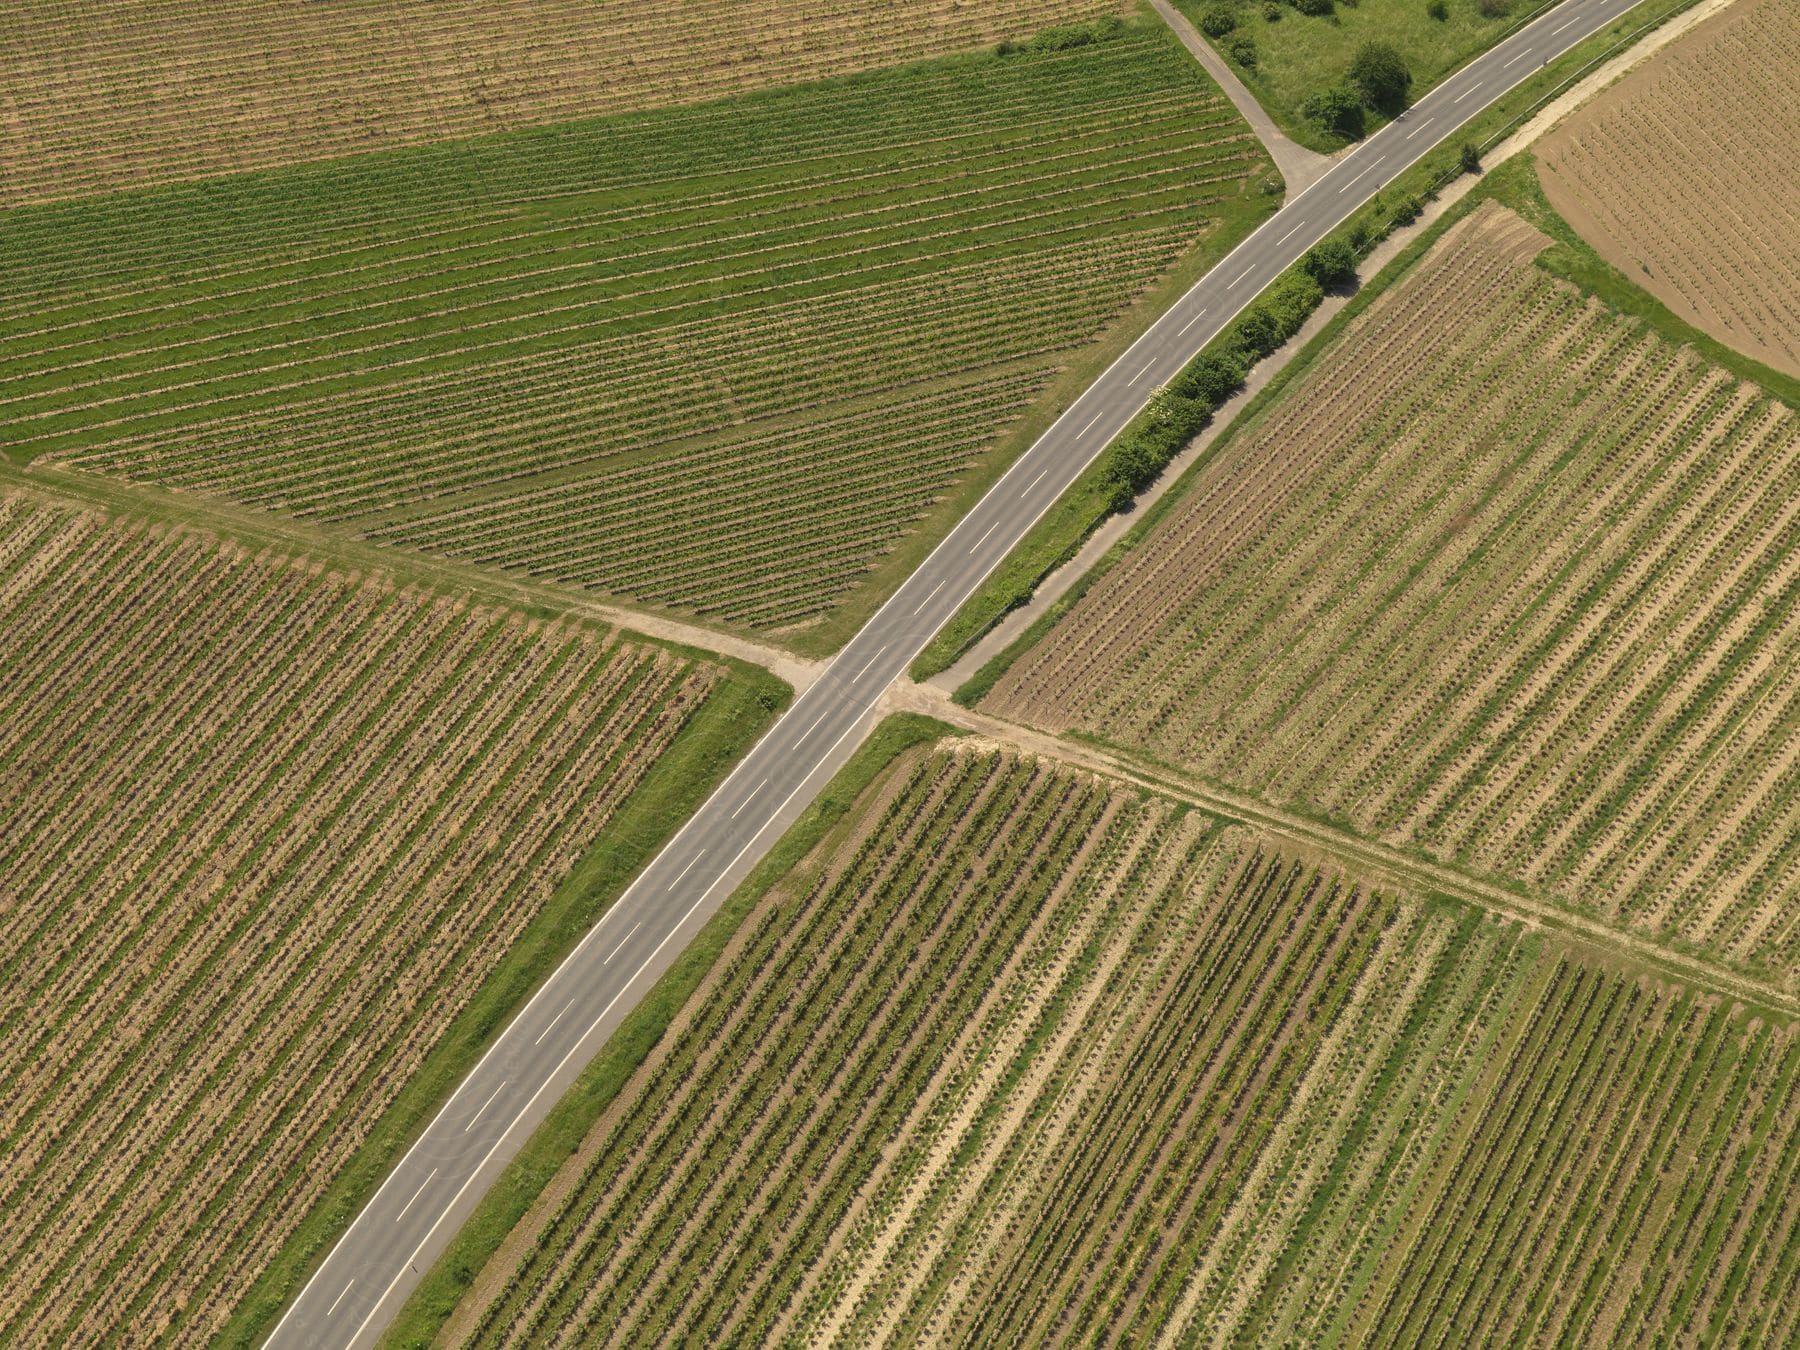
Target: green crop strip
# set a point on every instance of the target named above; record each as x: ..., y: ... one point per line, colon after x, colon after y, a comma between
x: 736, y: 361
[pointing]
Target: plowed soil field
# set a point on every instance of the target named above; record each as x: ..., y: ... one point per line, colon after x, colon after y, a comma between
x: 264, y: 830
x: 106, y: 94
x: 1021, y: 1057
x: 1686, y: 177
x: 1506, y: 577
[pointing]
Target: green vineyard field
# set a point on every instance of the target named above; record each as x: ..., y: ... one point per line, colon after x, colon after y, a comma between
x: 1506, y: 577
x: 1019, y: 1057
x: 720, y: 360
x: 266, y: 831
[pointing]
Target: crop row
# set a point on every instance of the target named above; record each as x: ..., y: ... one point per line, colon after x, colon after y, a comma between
x: 630, y: 289
x: 1526, y: 600
x: 110, y: 95
x: 1019, y: 1058
x: 239, y: 912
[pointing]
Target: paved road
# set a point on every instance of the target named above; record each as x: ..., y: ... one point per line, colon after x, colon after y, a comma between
x: 360, y: 1285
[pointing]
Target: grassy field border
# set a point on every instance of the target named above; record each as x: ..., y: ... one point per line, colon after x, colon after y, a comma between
x: 977, y: 686
x: 1085, y: 506
x: 1514, y: 185
x: 745, y: 702
x: 561, y: 1134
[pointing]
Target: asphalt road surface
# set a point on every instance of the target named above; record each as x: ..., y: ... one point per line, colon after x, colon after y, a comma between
x: 359, y: 1287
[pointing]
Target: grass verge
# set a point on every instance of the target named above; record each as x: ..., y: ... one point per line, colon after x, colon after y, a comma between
x: 726, y: 725
x: 1081, y: 510
x: 562, y: 1132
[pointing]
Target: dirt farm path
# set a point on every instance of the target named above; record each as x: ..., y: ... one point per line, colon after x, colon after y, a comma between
x: 1377, y: 861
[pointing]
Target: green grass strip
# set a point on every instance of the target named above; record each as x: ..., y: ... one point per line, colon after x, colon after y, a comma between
x: 561, y: 1134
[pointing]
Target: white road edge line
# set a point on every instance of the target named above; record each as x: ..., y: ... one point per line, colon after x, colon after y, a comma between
x: 752, y: 797
x: 1202, y: 314
x: 594, y: 932
x: 927, y: 600
x: 339, y: 1299
x: 546, y: 1031
x: 979, y: 542
x: 622, y: 941
x: 484, y: 1106
x: 866, y: 664
x: 702, y: 853
x: 415, y: 1195
x: 574, y: 1049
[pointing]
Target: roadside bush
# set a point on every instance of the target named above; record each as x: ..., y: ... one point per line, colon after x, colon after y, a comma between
x: 1177, y: 413
x: 1218, y: 20
x: 1379, y: 74
x: 1316, y: 8
x: 1438, y: 10
x: 1211, y: 378
x: 1242, y: 49
x: 1338, y: 110
x: 1407, y: 209
x: 1272, y: 12
x: 1330, y: 262
x: 1471, y: 157
x: 1068, y: 36
x: 1493, y: 9
x: 1132, y: 463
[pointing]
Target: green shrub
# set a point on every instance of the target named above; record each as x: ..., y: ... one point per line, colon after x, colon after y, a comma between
x: 1211, y: 378
x: 1218, y: 20
x: 1242, y: 49
x: 1330, y: 262
x: 1471, y: 157
x: 1438, y: 10
x: 1132, y: 462
x: 1316, y: 8
x: 1070, y: 36
x: 1407, y: 209
x: 1379, y: 74
x: 1494, y: 9
x: 1337, y: 110
x: 1272, y: 12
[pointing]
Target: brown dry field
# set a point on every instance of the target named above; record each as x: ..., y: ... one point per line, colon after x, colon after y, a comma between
x: 264, y: 831
x: 1505, y: 577
x: 1686, y: 177
x: 108, y: 94
x: 1021, y: 1056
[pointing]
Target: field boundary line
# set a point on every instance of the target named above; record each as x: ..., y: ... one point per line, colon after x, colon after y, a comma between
x: 480, y: 585
x: 1376, y: 859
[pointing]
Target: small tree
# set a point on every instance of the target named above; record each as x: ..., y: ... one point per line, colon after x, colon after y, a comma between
x: 1218, y: 20
x: 1242, y: 48
x: 1337, y: 110
x: 1471, y: 157
x: 1331, y: 262
x: 1380, y: 76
